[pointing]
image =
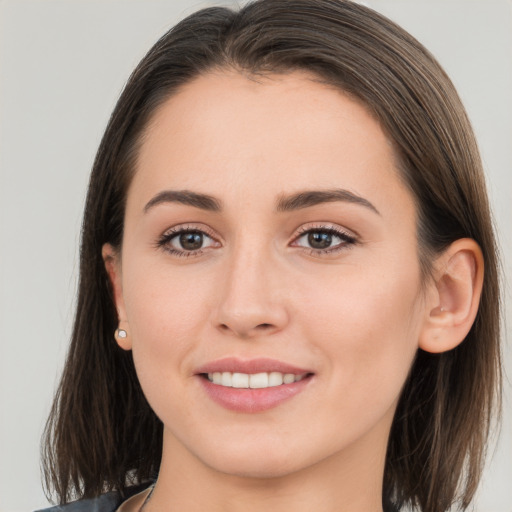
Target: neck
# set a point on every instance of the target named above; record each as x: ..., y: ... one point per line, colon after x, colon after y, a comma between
x: 349, y: 481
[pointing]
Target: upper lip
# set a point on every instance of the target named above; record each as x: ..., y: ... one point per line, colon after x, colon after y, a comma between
x: 250, y: 366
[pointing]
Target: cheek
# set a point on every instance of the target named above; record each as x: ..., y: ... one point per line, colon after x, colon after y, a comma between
x: 166, y: 313
x: 369, y: 327
x: 160, y: 298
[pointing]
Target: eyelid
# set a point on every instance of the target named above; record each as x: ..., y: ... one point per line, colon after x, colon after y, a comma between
x: 347, y: 237
x: 163, y: 241
x: 190, y: 226
x: 325, y: 226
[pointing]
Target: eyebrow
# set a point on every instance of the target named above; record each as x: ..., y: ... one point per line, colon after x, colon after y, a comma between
x: 314, y: 197
x: 297, y: 201
x: 202, y: 201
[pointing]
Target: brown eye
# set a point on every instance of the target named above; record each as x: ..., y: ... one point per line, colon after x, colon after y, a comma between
x: 319, y: 240
x: 324, y: 240
x: 191, y: 241
x: 186, y: 241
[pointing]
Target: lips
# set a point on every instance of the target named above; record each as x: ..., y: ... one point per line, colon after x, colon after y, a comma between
x: 252, y: 386
x: 259, y: 365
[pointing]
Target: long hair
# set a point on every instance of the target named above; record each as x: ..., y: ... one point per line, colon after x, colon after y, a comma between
x: 102, y: 434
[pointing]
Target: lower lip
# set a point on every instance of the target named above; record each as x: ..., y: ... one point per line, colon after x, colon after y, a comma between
x: 249, y: 400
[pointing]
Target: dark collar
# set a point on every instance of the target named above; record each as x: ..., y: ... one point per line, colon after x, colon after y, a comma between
x: 108, y: 502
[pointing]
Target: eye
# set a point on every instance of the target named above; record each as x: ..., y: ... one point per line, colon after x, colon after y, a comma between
x: 186, y: 241
x: 323, y: 240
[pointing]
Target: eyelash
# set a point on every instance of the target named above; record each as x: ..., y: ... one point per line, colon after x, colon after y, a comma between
x: 347, y: 240
x: 164, y: 241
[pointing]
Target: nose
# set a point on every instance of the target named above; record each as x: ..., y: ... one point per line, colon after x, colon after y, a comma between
x: 251, y: 298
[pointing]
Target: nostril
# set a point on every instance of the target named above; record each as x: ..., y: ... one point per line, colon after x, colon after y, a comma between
x: 264, y: 327
x: 246, y: 333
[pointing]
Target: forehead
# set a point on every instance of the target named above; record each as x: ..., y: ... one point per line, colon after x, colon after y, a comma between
x: 261, y: 109
x: 225, y: 132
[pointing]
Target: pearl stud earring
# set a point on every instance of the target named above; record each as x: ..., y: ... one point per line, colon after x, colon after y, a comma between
x: 121, y: 333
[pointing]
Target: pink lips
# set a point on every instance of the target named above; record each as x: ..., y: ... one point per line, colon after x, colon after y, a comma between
x: 231, y: 364
x: 246, y: 400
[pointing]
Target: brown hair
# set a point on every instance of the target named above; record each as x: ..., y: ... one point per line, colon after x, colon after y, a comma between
x: 102, y: 434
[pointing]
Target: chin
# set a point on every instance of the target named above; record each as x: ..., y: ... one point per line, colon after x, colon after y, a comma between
x: 251, y: 460
x: 255, y: 469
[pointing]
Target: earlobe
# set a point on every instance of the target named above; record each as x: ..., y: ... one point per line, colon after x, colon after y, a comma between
x: 451, y: 310
x: 122, y: 337
x: 113, y: 267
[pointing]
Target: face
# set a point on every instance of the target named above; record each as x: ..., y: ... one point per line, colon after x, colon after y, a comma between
x: 267, y: 237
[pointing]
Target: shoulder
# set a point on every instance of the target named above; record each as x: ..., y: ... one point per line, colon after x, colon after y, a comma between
x: 104, y: 503
x: 108, y: 502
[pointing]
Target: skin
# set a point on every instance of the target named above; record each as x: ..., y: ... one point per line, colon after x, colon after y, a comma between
x: 354, y: 317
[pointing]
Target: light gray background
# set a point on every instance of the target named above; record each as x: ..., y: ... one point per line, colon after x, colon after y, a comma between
x: 62, y: 66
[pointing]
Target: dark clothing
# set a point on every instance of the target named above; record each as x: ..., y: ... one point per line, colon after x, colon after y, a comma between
x: 108, y: 502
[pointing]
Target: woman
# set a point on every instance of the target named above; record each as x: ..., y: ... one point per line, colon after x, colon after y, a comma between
x: 282, y: 299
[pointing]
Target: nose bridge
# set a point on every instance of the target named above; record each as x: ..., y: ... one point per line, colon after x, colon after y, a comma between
x: 250, y: 301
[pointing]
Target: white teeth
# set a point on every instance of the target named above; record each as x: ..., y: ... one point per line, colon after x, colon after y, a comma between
x: 288, y: 378
x: 275, y: 379
x: 240, y: 380
x: 258, y: 380
x: 253, y: 380
x: 227, y: 379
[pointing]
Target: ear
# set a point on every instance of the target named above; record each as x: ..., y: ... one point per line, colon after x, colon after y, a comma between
x: 452, y: 305
x: 112, y: 261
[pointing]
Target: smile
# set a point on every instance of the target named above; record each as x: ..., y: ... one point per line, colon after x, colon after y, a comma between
x: 252, y: 386
x: 253, y: 380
